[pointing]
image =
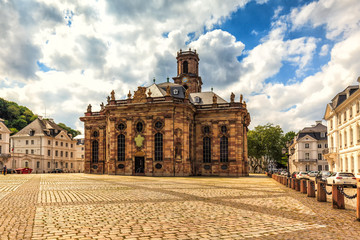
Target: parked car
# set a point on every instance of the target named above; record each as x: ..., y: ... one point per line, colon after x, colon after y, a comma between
x: 293, y: 175
x: 322, y: 176
x: 283, y: 173
x: 25, y: 170
x: 344, y: 178
x: 57, y: 170
x: 9, y: 171
x: 313, y: 173
x: 302, y: 175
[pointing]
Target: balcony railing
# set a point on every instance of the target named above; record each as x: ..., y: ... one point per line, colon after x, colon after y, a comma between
x: 307, y: 160
x: 5, y: 155
x: 329, y: 150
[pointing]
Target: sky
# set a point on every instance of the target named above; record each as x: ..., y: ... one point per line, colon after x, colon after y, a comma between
x: 288, y: 58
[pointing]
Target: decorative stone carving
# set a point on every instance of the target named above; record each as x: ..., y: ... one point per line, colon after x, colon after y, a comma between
x: 129, y: 95
x: 108, y: 99
x: 149, y: 93
x: 187, y: 92
x: 140, y: 95
x: 89, y: 108
x: 168, y: 90
x: 139, y: 141
x: 112, y: 95
x: 232, y: 97
x: 241, y: 98
x: 214, y: 99
x: 102, y: 107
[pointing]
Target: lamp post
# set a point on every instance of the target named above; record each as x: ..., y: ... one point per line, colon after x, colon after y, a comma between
x: 286, y: 152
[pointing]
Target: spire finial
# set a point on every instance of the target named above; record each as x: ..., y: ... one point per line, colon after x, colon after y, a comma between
x: 167, y: 79
x: 154, y: 80
x: 212, y: 89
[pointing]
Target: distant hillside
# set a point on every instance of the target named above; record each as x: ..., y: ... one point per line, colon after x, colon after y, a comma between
x: 17, y: 117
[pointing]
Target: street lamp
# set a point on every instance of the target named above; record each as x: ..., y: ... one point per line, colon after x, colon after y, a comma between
x: 286, y: 152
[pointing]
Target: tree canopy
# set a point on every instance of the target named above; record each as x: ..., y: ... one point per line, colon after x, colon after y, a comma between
x: 265, y: 144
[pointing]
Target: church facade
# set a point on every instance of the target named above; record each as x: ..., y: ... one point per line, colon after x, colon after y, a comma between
x: 169, y: 129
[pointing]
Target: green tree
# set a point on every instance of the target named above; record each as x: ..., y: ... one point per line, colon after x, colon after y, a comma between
x: 73, y: 132
x: 265, y: 144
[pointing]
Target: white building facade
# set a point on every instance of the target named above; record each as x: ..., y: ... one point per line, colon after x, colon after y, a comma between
x: 343, y: 120
x: 309, y: 144
x: 4, y: 144
x: 44, y: 146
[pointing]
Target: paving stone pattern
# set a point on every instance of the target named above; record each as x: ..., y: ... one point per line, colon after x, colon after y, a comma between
x: 80, y: 206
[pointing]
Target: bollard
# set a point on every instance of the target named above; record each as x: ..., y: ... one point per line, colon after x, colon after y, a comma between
x: 358, y: 200
x: 338, y: 201
x: 303, y: 186
x: 297, y: 184
x: 293, y: 183
x: 310, y: 188
x: 288, y: 182
x: 321, y: 194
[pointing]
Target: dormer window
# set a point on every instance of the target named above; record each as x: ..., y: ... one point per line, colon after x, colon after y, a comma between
x: 32, y: 132
x: 175, y: 91
x: 197, y: 99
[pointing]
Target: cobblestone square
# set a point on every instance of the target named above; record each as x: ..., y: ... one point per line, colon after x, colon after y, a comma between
x: 80, y: 206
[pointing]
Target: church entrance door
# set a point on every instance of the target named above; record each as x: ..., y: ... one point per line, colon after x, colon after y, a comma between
x: 139, y: 165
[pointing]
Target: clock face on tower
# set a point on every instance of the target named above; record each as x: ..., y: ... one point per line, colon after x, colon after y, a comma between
x: 185, y: 80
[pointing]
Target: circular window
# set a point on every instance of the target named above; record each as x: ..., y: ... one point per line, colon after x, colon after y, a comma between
x: 121, y: 166
x: 223, y: 129
x: 95, y: 134
x: 139, y: 127
x: 121, y: 126
x: 207, y: 167
x: 158, y: 166
x: 206, y: 129
x: 158, y: 125
x: 224, y: 167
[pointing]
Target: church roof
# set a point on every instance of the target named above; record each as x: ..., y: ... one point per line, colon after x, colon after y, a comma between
x: 177, y: 90
x: 205, y: 98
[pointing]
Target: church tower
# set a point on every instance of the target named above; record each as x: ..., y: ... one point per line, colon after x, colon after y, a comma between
x: 188, y: 70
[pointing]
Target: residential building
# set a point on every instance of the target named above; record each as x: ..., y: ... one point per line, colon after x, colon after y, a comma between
x: 43, y: 146
x: 79, y: 153
x: 309, y: 144
x: 4, y: 144
x: 343, y: 120
x: 169, y: 129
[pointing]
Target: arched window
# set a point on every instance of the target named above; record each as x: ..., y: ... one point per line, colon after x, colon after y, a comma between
x: 206, y: 150
x: 121, y: 147
x: 95, y: 151
x: 185, y: 67
x: 223, y: 149
x: 158, y: 147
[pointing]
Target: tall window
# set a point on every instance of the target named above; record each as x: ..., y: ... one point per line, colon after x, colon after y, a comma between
x: 207, y: 150
x: 185, y: 67
x: 38, y: 164
x: 0, y: 149
x: 223, y: 149
x: 319, y: 156
x: 121, y: 147
x: 48, y: 164
x: 307, y: 156
x: 95, y: 151
x: 306, y: 145
x: 158, y: 147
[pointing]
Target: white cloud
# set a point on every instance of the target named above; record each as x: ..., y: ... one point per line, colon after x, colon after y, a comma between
x: 324, y: 50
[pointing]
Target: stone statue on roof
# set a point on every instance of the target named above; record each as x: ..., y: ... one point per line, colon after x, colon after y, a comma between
x: 241, y: 98
x: 102, y: 106
x: 89, y: 108
x: 112, y: 95
x: 168, y: 90
x: 129, y: 95
x: 108, y: 99
x: 214, y: 99
x: 232, y: 97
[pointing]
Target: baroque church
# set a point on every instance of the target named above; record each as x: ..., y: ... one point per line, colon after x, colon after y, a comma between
x: 169, y: 129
